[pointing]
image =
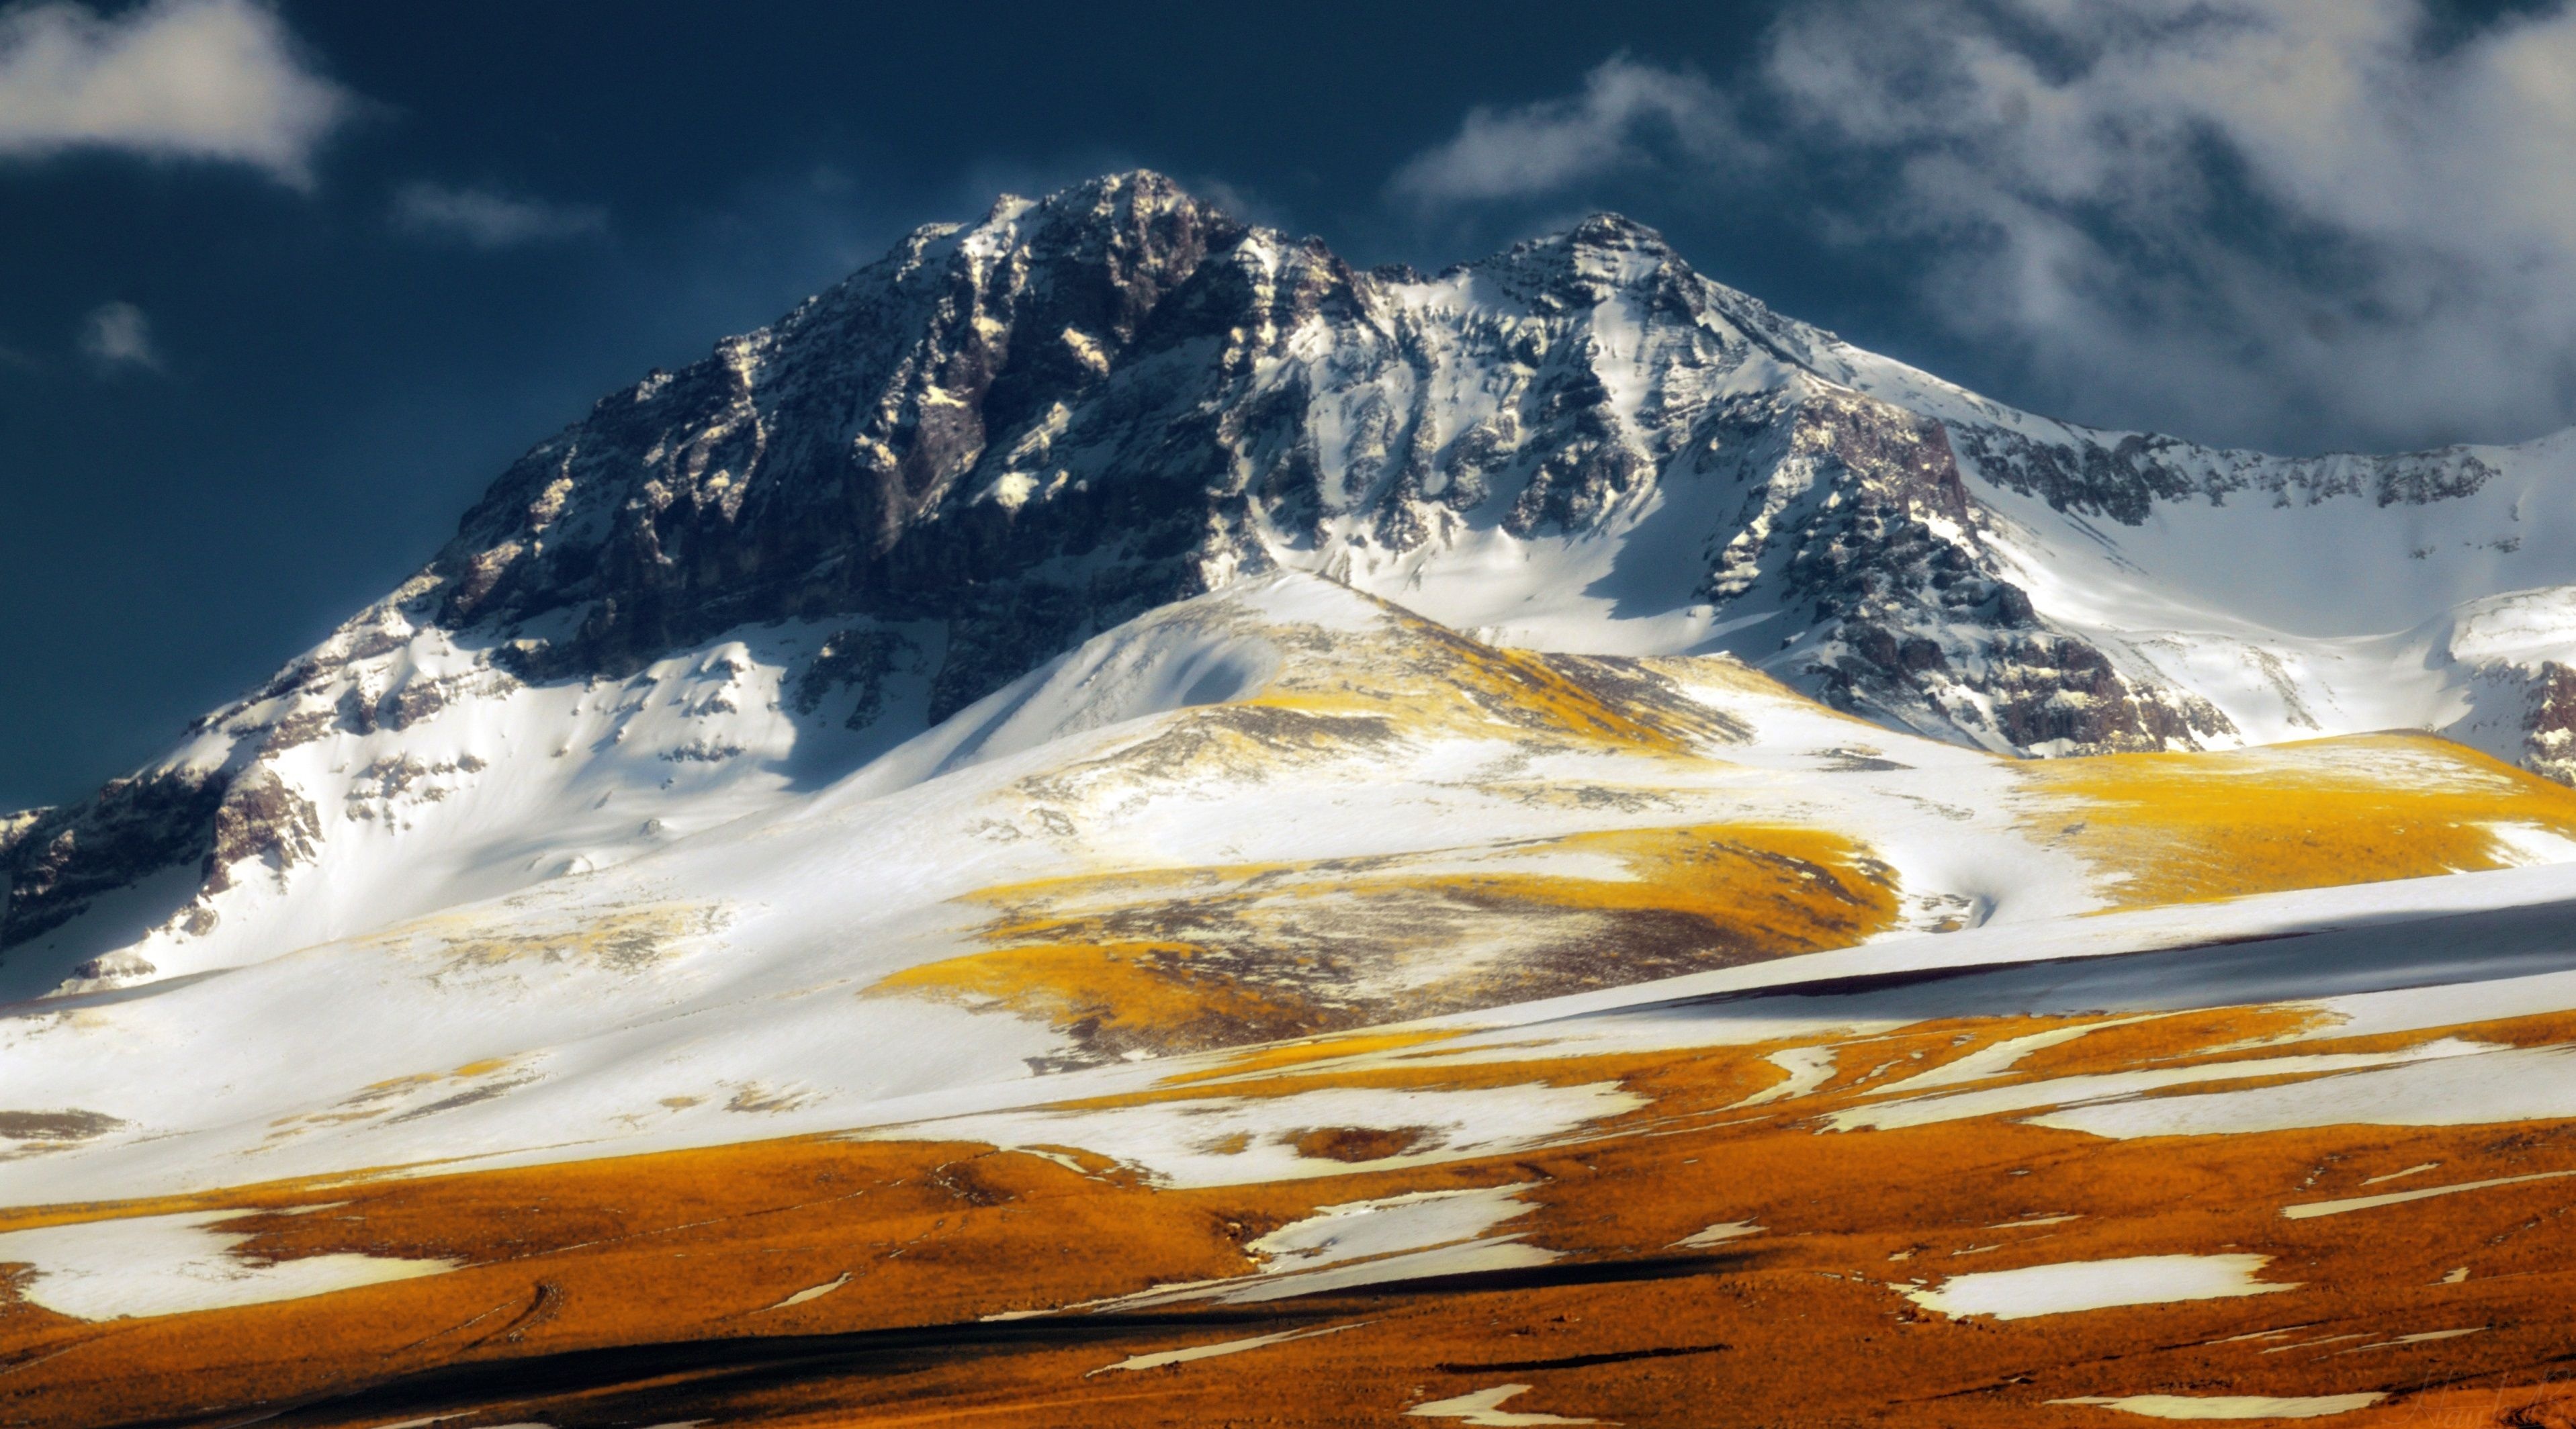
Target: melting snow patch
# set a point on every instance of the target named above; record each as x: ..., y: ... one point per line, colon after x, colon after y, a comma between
x: 1379, y: 1242
x: 2000, y: 1058
x: 168, y: 1265
x: 1717, y: 1234
x: 2096, y: 1285
x: 1175, y: 1142
x: 814, y: 1292
x: 1467, y: 1258
x: 2418, y: 1338
x: 1228, y: 1347
x: 2442, y: 1089
x: 2313, y: 1209
x: 2088, y: 1102
x: 1483, y: 1407
x: 2528, y: 844
x: 2231, y: 1406
x: 1808, y: 1069
x: 1358, y: 1230
x: 2312, y: 1344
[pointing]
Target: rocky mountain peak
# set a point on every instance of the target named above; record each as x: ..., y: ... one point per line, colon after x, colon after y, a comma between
x: 1585, y: 264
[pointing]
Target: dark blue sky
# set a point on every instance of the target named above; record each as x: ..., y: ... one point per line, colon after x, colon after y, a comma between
x: 242, y: 395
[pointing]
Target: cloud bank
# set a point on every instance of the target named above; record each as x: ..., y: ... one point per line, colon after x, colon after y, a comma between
x: 1621, y: 118
x: 2263, y: 220
x: 485, y: 218
x: 174, y: 79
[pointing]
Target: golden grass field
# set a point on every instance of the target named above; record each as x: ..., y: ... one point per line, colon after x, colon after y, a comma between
x: 656, y: 1289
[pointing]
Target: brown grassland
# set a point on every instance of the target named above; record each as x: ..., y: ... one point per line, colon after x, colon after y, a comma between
x: 653, y: 1289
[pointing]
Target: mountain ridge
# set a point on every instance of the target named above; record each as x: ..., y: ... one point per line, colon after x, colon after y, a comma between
x: 1006, y: 436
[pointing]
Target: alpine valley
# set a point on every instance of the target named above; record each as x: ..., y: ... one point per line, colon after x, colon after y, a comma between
x: 1116, y: 821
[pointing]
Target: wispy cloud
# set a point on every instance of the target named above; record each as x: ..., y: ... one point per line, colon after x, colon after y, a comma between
x: 1627, y: 114
x: 486, y: 218
x: 118, y: 335
x: 180, y: 79
x: 2256, y: 219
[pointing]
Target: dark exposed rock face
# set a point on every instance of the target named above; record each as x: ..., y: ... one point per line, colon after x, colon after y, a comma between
x: 2123, y: 476
x: 2549, y: 739
x: 853, y: 658
x: 1869, y: 523
x: 260, y: 818
x: 828, y: 464
x: 63, y: 858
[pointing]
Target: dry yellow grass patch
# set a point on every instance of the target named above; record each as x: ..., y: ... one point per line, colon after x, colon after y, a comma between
x: 1133, y: 992
x: 656, y: 1289
x: 2175, y: 828
x: 1195, y: 958
x: 1428, y: 678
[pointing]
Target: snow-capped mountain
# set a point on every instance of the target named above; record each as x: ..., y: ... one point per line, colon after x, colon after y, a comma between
x: 730, y: 586
x: 1280, y: 810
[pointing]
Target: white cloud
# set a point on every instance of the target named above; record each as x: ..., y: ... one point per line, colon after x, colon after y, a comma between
x: 119, y: 335
x: 2261, y: 220
x: 192, y: 79
x: 1624, y: 115
x: 2238, y: 210
x: 487, y: 219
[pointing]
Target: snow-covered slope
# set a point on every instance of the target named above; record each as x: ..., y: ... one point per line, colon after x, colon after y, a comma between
x: 730, y: 587
x: 1280, y: 810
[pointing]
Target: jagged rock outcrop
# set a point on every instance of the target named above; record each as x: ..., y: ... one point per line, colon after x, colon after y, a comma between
x: 61, y: 859
x: 2123, y: 475
x: 2549, y: 730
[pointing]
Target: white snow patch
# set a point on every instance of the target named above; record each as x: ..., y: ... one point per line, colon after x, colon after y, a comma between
x: 813, y: 1292
x: 2531, y: 844
x: 2313, y: 1209
x: 2513, y: 1084
x: 1229, y: 1347
x: 1484, y: 1407
x: 1465, y: 1258
x: 2420, y: 1337
x: 1999, y: 1058
x: 2096, y: 1285
x: 173, y: 1264
x: 1229, y: 1141
x: 2083, y: 1093
x: 2231, y: 1406
x: 1376, y: 1242
x: 1717, y: 1234
x: 1808, y: 1069
x: 1359, y: 1230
